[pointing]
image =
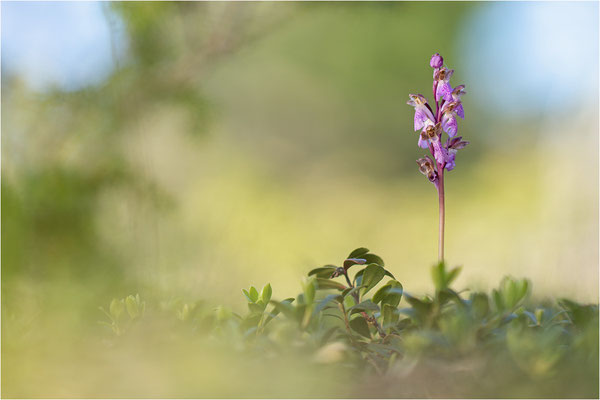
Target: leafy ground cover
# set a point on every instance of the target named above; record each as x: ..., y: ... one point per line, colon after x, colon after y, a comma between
x: 359, y: 330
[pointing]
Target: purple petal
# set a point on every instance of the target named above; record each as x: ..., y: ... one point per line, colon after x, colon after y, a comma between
x: 440, y: 153
x: 423, y: 143
x: 460, y: 111
x: 449, y: 125
x: 444, y: 90
x: 450, y: 163
x: 422, y: 115
x: 419, y: 120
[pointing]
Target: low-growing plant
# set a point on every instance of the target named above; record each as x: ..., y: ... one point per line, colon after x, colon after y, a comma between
x: 358, y: 314
x: 122, y: 312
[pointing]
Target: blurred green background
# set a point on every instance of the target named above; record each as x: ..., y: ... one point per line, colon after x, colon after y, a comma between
x: 193, y: 149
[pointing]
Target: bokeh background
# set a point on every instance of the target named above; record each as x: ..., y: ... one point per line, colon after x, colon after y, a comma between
x: 193, y: 149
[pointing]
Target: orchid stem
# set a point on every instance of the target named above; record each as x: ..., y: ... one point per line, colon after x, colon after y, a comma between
x: 441, y: 196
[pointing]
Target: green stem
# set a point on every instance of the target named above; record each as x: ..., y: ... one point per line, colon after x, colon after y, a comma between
x: 442, y: 210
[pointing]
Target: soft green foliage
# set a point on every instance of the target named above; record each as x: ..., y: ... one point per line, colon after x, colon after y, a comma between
x: 132, y: 304
x: 337, y: 322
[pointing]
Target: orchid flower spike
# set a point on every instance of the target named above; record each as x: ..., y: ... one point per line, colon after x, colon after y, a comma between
x: 448, y: 106
x: 432, y: 124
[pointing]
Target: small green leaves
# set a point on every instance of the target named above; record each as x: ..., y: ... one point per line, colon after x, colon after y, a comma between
x: 265, y: 293
x: 326, y: 301
x: 390, y: 315
x: 116, y: 308
x: 310, y: 288
x: 366, y: 305
x: 223, y: 313
x: 251, y: 295
x: 329, y: 284
x: 373, y: 259
x: 186, y: 310
x: 331, y: 312
x: 132, y: 304
x: 480, y: 305
x: 323, y: 272
x: 285, y: 307
x: 358, y: 252
x: 421, y: 308
x: 581, y: 315
x: 443, y: 278
x: 371, y: 277
x: 390, y: 293
x: 510, y: 294
x: 135, y: 307
x: 360, y: 326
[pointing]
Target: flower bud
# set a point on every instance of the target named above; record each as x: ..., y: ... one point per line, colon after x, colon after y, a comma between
x: 436, y: 61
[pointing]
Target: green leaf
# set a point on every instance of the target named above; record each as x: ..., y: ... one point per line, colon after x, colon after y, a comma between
x: 248, y: 296
x: 448, y: 294
x: 275, y: 311
x: 223, y: 313
x: 512, y: 292
x: 366, y: 305
x: 183, y: 313
x: 116, y: 308
x: 253, y: 294
x: 328, y: 334
x: 539, y: 315
x: 390, y: 293
x: 359, y: 277
x: 349, y: 301
x: 421, y: 307
x: 441, y: 277
x: 580, y: 314
x: 353, y: 261
x: 285, y: 308
x: 390, y: 315
x: 132, y: 307
x: 372, y: 275
x: 310, y: 290
x: 358, y: 252
x: 350, y: 291
x: 256, y: 308
x: 329, y: 284
x: 438, y: 274
x: 451, y: 276
x: 323, y: 272
x: 373, y: 259
x: 265, y: 293
x: 531, y: 317
x: 360, y: 325
x: 388, y: 273
x: 323, y: 303
x: 480, y: 305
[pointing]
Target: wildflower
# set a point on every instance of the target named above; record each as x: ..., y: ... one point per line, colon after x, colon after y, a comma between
x: 449, y: 110
x: 453, y: 145
x: 429, y: 134
x: 456, y: 95
x: 440, y: 153
x: 423, y: 112
x: 433, y: 125
x: 444, y: 119
x: 427, y: 168
x: 443, y: 88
